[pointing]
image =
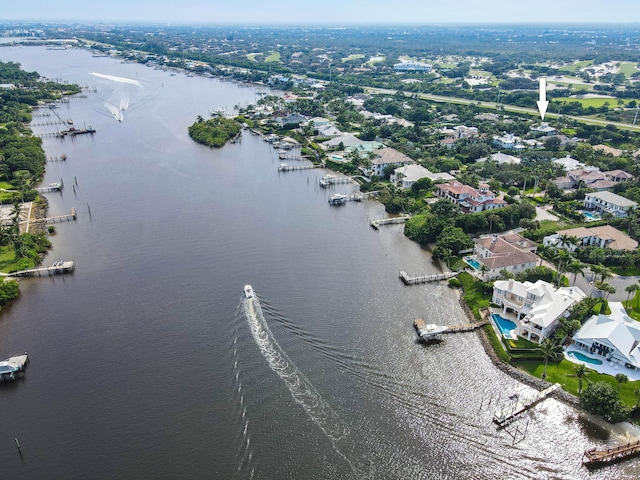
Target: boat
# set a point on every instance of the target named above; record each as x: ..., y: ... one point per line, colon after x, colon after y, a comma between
x: 248, y: 291
x: 327, y: 180
x: 428, y: 330
x: 13, y: 365
x: 337, y: 199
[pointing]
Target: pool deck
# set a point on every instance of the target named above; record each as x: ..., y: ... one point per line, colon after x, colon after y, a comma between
x: 608, y: 368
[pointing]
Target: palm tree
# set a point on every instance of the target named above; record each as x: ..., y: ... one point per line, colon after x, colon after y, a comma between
x: 483, y: 269
x: 581, y: 373
x: 621, y: 378
x: 631, y: 289
x: 549, y: 349
x: 576, y: 268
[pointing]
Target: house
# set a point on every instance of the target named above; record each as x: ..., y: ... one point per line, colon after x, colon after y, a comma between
x: 511, y: 252
x: 614, y: 339
x: 407, y: 175
x: 608, y: 202
x: 535, y: 307
x: 618, y: 176
x: 545, y: 129
x: 501, y: 158
x: 470, y: 199
x: 385, y: 157
x: 346, y: 139
x: 607, y: 150
x: 508, y: 141
x: 328, y: 131
x: 604, y: 236
x: 412, y: 67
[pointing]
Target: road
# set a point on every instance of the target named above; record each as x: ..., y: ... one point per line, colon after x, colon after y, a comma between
x: 507, y: 108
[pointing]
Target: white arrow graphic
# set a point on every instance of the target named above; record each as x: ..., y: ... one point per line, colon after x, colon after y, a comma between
x: 542, y: 103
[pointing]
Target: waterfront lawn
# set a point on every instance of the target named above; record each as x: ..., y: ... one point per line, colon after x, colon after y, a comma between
x: 564, y: 374
x: 477, y: 294
x: 7, y: 258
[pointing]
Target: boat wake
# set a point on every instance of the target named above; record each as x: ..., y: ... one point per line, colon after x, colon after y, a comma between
x: 113, y: 78
x: 115, y: 111
x: 301, y: 389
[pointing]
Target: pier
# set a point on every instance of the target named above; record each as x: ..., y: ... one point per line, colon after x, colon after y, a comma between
x: 376, y: 223
x: 468, y: 327
x: 328, y: 180
x: 337, y: 199
x: 407, y: 280
x: 60, y: 218
x: 505, y: 415
x: 52, y: 187
x: 595, y: 458
x: 60, y: 267
x: 283, y: 167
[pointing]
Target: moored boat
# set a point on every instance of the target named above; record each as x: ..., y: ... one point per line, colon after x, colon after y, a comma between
x: 428, y: 330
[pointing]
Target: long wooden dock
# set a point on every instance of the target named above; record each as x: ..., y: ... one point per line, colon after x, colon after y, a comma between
x: 408, y: 280
x: 506, y: 414
x: 468, y: 327
x: 59, y: 267
x: 377, y: 223
x: 52, y: 187
x: 283, y: 167
x: 12, y: 366
x: 594, y: 457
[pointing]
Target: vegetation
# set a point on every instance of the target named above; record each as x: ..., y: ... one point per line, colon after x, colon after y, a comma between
x: 602, y: 399
x: 214, y: 132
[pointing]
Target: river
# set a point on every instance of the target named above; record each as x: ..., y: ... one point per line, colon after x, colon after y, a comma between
x: 146, y: 362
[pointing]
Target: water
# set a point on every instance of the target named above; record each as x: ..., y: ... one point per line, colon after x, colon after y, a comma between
x: 145, y: 364
x: 584, y: 358
x: 504, y: 325
x: 473, y: 262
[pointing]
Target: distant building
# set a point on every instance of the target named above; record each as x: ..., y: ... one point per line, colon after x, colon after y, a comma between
x: 568, y: 163
x: 501, y: 158
x: 608, y: 150
x: 412, y: 67
x: 508, y: 141
x: 545, y: 129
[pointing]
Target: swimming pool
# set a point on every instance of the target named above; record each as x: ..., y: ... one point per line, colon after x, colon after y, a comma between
x: 583, y: 358
x: 590, y: 216
x: 473, y: 262
x: 504, y: 325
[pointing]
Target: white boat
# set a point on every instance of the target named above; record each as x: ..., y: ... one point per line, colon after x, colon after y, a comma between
x: 248, y: 291
x: 428, y: 330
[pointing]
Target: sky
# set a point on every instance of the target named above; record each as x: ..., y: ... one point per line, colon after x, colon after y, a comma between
x: 296, y: 12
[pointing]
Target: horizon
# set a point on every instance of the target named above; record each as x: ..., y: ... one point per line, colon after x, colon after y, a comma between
x: 331, y: 13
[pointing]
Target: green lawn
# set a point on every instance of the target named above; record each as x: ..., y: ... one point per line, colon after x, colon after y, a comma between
x: 274, y: 57
x: 563, y: 372
x: 576, y: 66
x: 373, y: 60
x: 628, y: 68
x: 252, y: 56
x: 7, y: 258
x: 353, y: 56
x: 592, y: 102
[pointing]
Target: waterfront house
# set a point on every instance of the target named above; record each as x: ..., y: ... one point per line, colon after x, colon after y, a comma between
x: 511, y: 252
x: 613, y: 338
x: 604, y: 236
x: 384, y: 157
x: 536, y: 308
x: 608, y: 202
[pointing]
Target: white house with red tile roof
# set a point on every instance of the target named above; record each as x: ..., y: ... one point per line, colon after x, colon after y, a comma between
x: 511, y: 252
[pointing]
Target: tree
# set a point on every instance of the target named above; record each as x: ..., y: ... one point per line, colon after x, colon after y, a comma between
x: 621, y: 378
x: 576, y: 268
x: 630, y: 289
x: 602, y: 399
x: 581, y: 374
x: 636, y: 392
x: 549, y: 349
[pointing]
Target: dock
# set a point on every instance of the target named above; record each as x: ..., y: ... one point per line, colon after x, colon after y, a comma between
x: 595, y: 458
x: 408, y: 280
x: 60, y: 218
x: 377, y: 223
x: 337, y: 199
x: 75, y: 131
x: 468, y: 327
x: 52, y: 187
x: 328, y: 180
x: 283, y: 167
x: 506, y: 414
x: 59, y: 267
